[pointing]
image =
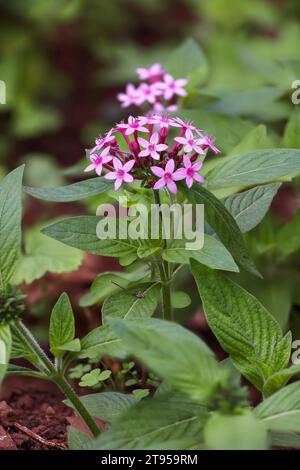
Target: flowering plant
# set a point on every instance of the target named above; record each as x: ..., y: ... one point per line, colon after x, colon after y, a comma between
x: 157, y: 159
x: 158, y: 89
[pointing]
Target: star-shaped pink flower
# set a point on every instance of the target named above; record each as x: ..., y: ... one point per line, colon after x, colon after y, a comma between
x: 121, y: 173
x: 151, y: 147
x: 134, y: 125
x: 98, y: 161
x: 167, y: 176
x: 149, y: 93
x: 132, y: 96
x: 173, y: 87
x: 189, y: 172
x: 190, y: 143
x: 154, y: 71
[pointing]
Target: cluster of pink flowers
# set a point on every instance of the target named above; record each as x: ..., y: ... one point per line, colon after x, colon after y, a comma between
x: 150, y: 154
x: 158, y: 89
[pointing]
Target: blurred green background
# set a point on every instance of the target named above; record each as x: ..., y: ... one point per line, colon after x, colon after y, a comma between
x: 63, y: 63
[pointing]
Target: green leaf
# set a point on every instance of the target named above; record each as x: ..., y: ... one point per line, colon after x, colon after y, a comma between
x: 279, y: 379
x: 281, y: 411
x: 180, y: 299
x: 94, y: 378
x: 213, y: 254
x: 80, y: 232
x: 20, y: 348
x: 257, y: 167
x: 106, y: 405
x: 173, y: 353
x: 139, y: 301
x: 228, y: 132
x: 236, y: 432
x: 10, y: 225
x: 188, y: 61
x: 168, y: 421
x: 71, y: 346
x: 102, y: 341
x: 244, y: 328
x: 77, y: 439
x: 108, y: 283
x: 72, y: 192
x: 42, y: 255
x: 257, y: 138
x: 62, y: 325
x: 5, y: 349
x: 224, y: 225
x: 291, y: 137
x: 249, y: 207
x: 287, y: 239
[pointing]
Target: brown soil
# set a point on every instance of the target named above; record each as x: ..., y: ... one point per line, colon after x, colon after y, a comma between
x: 32, y: 416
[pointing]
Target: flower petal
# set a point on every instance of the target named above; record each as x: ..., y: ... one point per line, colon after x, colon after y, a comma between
x: 170, y: 166
x: 127, y: 167
x: 172, y: 187
x: 159, y: 184
x: 157, y: 171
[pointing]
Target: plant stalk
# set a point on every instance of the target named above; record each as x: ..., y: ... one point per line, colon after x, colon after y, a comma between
x: 55, y: 375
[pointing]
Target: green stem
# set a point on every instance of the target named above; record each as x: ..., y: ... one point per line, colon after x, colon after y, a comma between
x: 53, y: 374
x: 78, y: 405
x: 165, y: 272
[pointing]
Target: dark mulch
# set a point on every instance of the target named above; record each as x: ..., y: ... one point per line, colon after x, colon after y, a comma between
x: 40, y: 410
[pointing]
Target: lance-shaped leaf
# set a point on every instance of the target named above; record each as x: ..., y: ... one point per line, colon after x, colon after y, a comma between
x: 256, y: 167
x: 249, y: 207
x: 213, y: 254
x: 10, y: 225
x: 81, y: 232
x: 175, y: 354
x: 101, y: 341
x: 62, y: 326
x: 169, y: 421
x: 72, y: 192
x: 224, y: 225
x: 106, y: 405
x: 244, y: 328
x: 281, y: 411
x: 139, y: 301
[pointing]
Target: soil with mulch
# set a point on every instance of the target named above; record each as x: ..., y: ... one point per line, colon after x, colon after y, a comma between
x: 33, y: 418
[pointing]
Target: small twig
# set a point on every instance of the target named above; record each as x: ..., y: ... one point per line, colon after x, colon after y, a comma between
x: 38, y: 438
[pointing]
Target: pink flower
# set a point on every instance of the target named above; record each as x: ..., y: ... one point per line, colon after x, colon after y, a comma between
x: 98, y: 161
x: 148, y: 93
x: 185, y: 124
x: 101, y: 141
x: 121, y: 174
x: 131, y: 96
x: 173, y: 87
x: 208, y: 142
x: 190, y: 143
x: 154, y: 71
x: 134, y: 125
x: 160, y: 109
x: 151, y: 147
x: 167, y: 176
x: 189, y: 172
x: 162, y: 120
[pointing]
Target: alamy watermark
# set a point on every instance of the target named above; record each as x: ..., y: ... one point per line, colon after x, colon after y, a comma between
x: 296, y: 94
x: 2, y: 92
x: 152, y: 222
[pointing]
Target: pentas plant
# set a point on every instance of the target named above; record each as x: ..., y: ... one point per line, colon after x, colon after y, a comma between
x: 158, y: 90
x: 158, y: 150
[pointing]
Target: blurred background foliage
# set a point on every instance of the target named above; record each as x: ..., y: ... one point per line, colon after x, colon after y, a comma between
x: 63, y: 62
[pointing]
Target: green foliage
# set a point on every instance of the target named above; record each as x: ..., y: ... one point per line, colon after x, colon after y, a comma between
x: 237, y: 432
x: 95, y: 377
x: 139, y: 301
x: 73, y: 192
x: 62, y: 326
x: 10, y: 225
x: 245, y: 329
x: 218, y: 217
x: 41, y: 255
